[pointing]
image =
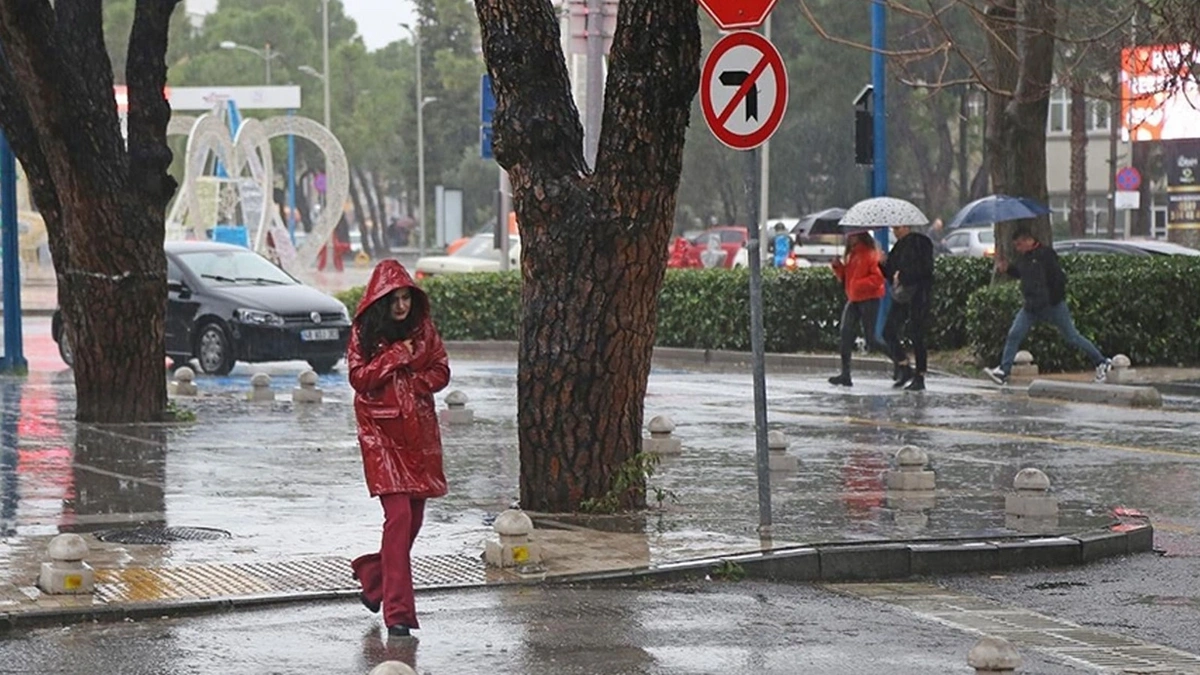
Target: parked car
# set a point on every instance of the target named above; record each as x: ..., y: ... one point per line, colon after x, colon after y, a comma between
x: 477, y: 255
x: 226, y: 303
x: 971, y: 242
x: 1138, y: 247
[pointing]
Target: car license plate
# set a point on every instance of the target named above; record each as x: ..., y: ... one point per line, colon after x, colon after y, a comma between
x: 318, y: 334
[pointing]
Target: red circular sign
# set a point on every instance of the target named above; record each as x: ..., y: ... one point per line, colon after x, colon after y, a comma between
x: 738, y: 13
x: 743, y: 90
x: 1129, y: 179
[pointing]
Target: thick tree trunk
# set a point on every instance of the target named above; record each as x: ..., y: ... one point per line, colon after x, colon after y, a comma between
x: 360, y: 216
x: 1021, y: 44
x: 1079, y: 142
x: 104, y: 205
x: 383, y: 243
x: 594, y: 246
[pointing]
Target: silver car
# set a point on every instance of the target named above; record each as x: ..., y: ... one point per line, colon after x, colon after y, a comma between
x: 971, y: 242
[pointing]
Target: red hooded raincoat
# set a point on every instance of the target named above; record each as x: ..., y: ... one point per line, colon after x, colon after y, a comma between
x: 393, y: 403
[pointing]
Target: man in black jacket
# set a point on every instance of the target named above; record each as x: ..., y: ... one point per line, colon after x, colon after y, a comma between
x: 909, y: 267
x: 1044, y: 286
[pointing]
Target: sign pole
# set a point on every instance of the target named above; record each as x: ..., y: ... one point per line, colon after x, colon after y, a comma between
x: 758, y: 347
x: 14, y: 352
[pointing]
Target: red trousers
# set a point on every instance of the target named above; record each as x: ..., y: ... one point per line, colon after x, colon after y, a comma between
x: 386, y: 577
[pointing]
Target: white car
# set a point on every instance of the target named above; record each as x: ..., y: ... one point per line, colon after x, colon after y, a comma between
x: 972, y: 242
x: 477, y: 255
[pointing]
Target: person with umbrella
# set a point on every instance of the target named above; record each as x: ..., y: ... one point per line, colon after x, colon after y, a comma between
x: 909, y: 268
x: 1044, y: 285
x: 862, y: 278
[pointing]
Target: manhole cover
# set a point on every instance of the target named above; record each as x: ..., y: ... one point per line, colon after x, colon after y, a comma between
x: 160, y: 535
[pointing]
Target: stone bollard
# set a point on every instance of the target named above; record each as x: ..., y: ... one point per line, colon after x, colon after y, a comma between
x: 778, y: 459
x: 66, y: 572
x: 1030, y: 508
x: 912, y: 471
x: 260, y: 388
x: 660, y: 442
x: 456, y: 411
x: 514, y: 548
x: 308, y: 391
x: 1122, y: 371
x: 993, y: 655
x: 184, y: 383
x: 1023, y: 367
x: 392, y: 668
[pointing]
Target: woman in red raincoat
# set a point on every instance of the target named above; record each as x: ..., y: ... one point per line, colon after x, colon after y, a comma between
x: 397, y: 362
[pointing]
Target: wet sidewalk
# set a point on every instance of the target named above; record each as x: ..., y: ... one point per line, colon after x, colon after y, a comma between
x: 262, y: 502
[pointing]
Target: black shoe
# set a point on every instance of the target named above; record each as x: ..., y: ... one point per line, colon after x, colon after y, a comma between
x: 904, y: 374
x: 897, y: 372
x: 917, y: 384
x: 399, y: 630
x: 842, y: 380
x: 373, y: 607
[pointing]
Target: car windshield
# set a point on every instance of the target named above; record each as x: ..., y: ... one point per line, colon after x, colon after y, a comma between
x: 235, y: 268
x: 480, y: 247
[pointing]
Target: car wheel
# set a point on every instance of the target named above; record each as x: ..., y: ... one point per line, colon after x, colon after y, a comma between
x: 323, y: 366
x: 214, y: 350
x: 65, y: 351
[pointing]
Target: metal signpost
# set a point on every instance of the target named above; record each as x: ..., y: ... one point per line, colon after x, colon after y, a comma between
x: 14, y: 350
x: 743, y: 94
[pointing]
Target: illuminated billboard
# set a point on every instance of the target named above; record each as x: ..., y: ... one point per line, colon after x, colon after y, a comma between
x: 1159, y: 93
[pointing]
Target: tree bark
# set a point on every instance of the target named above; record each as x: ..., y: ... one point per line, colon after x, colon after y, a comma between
x: 594, y: 245
x: 103, y: 202
x: 360, y: 217
x: 1021, y: 44
x: 1079, y: 141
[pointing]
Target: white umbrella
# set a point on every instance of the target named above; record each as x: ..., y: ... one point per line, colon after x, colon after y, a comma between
x: 884, y: 212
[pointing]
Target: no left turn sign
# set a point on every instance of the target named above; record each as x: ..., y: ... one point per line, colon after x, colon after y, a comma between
x: 743, y: 90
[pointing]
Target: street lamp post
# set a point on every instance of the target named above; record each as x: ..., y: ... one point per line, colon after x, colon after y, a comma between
x: 309, y: 70
x: 325, y: 56
x: 421, y: 101
x: 267, y: 54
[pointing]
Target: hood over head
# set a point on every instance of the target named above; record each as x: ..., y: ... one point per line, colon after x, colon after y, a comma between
x: 388, y: 276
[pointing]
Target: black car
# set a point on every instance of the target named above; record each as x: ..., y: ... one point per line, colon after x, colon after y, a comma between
x: 226, y: 303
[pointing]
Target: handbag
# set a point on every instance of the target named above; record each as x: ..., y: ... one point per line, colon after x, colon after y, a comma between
x: 902, y: 294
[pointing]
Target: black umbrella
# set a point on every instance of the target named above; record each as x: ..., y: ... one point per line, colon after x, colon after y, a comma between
x: 821, y: 222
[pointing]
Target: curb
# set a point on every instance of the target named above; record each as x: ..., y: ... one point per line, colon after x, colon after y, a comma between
x: 1111, y: 394
x: 818, y: 563
x: 874, y: 561
x: 665, y: 356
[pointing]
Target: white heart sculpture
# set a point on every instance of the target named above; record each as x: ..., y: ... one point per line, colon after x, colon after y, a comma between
x: 251, y: 149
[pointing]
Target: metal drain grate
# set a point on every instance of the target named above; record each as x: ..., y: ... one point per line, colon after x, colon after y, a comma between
x: 160, y: 535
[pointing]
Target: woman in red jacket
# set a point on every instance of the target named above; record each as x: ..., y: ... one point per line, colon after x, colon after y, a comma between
x: 863, y: 281
x: 397, y: 361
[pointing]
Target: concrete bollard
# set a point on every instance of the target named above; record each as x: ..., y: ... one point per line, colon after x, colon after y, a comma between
x: 1030, y: 508
x: 392, y: 668
x: 260, y: 388
x: 514, y: 548
x: 660, y: 442
x: 778, y: 459
x: 912, y: 471
x: 1024, y: 367
x: 184, y: 383
x: 308, y: 391
x: 993, y: 655
x: 1122, y: 371
x: 66, y: 573
x: 456, y: 411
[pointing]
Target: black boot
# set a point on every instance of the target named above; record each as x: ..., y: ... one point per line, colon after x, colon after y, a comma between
x: 842, y: 380
x: 372, y: 607
x: 917, y: 384
x: 399, y: 630
x: 904, y: 373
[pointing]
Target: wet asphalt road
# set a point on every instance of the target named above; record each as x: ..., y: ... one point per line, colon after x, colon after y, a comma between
x: 719, y: 628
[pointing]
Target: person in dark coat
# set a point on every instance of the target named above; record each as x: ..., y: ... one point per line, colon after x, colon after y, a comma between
x: 1044, y: 287
x: 397, y: 362
x: 909, y: 268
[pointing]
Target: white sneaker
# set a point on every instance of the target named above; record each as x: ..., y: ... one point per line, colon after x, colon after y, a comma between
x: 997, y: 375
x: 1102, y: 371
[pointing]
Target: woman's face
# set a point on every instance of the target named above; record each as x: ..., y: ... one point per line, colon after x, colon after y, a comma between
x: 401, y: 303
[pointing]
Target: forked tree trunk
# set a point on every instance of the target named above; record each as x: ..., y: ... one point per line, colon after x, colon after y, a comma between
x: 104, y: 205
x: 1021, y: 45
x: 1079, y: 142
x: 594, y: 243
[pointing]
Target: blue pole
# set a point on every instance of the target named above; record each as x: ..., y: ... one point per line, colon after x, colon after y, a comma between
x: 14, y: 352
x: 291, y: 184
x: 879, y: 181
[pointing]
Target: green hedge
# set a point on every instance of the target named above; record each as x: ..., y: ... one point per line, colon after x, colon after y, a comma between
x: 1146, y: 308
